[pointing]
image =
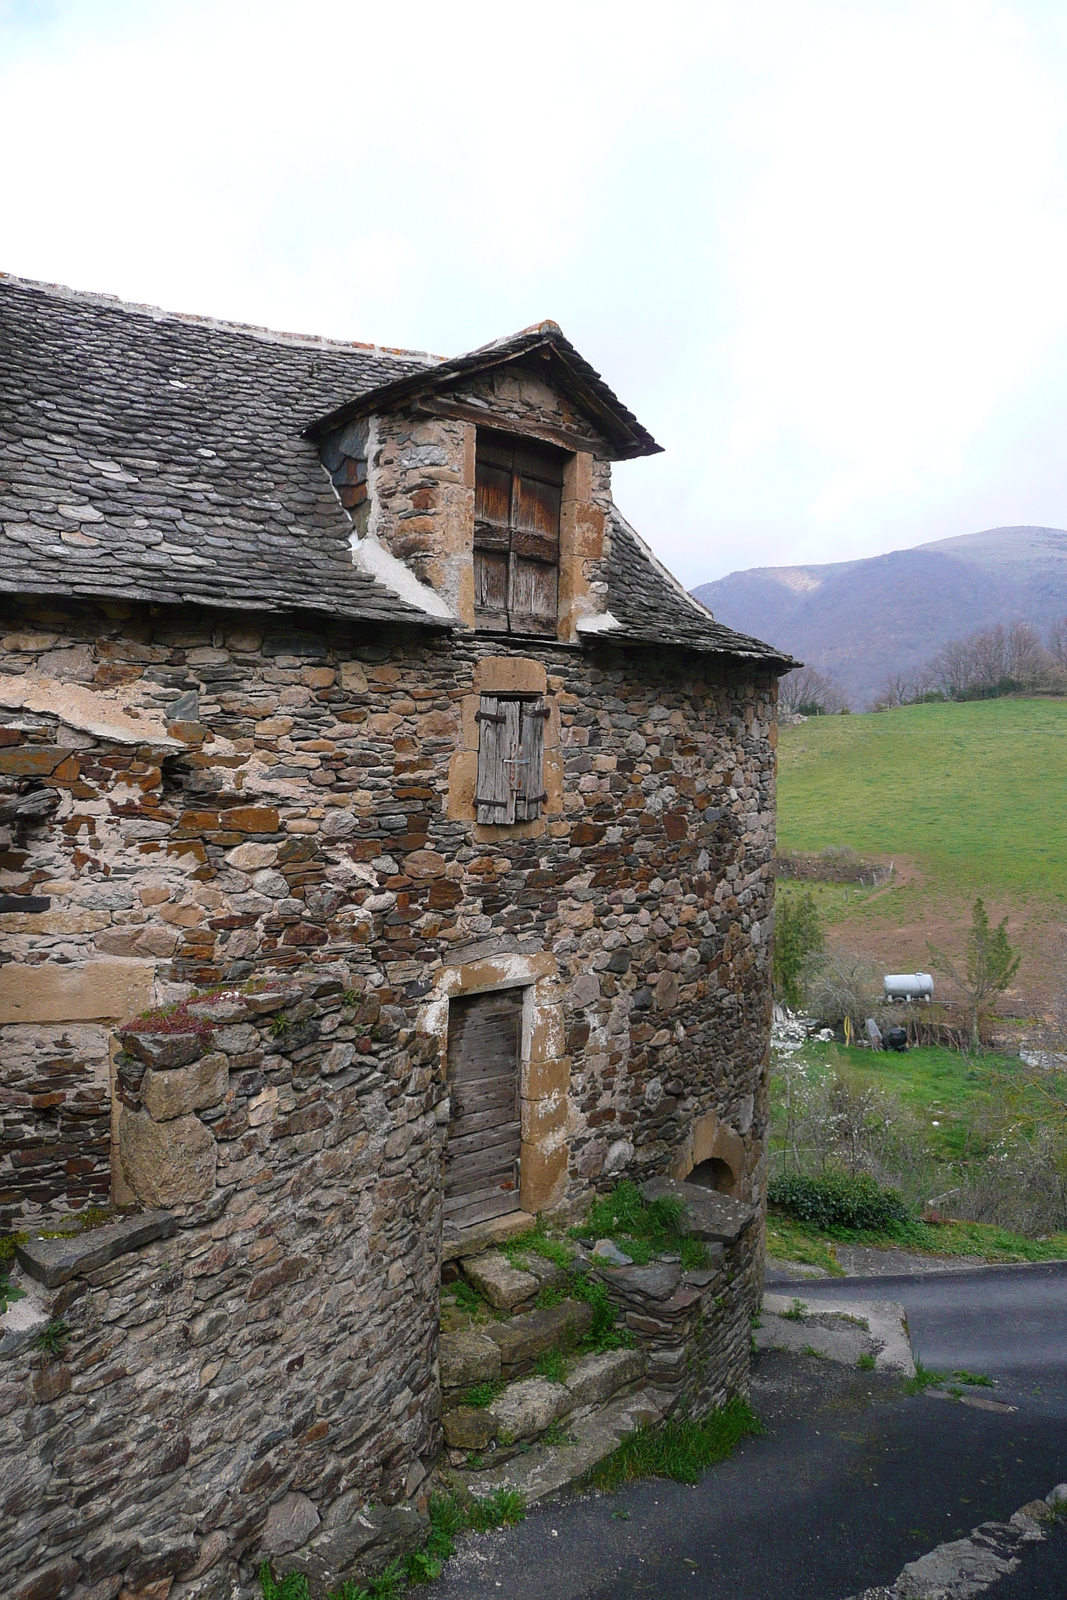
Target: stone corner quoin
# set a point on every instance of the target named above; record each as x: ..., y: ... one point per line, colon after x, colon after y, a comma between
x: 254, y: 901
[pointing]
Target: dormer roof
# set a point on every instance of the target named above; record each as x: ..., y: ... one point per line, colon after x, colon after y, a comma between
x: 564, y: 369
x: 152, y: 456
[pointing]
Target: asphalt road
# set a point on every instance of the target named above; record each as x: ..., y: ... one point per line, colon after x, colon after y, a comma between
x: 1009, y: 1323
x: 851, y: 1479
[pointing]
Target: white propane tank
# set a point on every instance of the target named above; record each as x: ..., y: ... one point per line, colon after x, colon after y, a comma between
x: 908, y: 986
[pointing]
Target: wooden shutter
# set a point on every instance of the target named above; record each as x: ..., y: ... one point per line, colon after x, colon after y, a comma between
x: 485, y: 1129
x: 492, y: 534
x: 518, y: 496
x: 498, y: 740
x: 531, y: 795
x: 536, y: 497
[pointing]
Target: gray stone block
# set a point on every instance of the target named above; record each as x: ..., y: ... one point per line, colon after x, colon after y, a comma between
x: 529, y: 1335
x: 178, y: 1090
x: 468, y: 1427
x: 503, y: 1285
x: 707, y: 1214
x: 162, y: 1050
x: 55, y: 1261
x: 467, y: 1357
x: 528, y: 1407
x: 595, y: 1378
x: 290, y: 1523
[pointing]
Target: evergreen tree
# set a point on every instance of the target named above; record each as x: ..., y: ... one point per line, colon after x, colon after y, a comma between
x: 991, y: 965
x: 797, y: 935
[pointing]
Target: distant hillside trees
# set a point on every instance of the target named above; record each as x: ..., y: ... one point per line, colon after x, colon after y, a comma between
x: 1004, y: 659
x: 808, y: 693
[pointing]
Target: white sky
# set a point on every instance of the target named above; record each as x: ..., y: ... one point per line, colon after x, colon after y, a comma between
x: 819, y: 248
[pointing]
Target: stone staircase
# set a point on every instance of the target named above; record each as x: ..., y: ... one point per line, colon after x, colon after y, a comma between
x: 522, y: 1406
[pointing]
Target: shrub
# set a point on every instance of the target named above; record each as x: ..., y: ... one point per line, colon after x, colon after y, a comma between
x: 839, y: 1200
x: 840, y: 986
x: 798, y: 938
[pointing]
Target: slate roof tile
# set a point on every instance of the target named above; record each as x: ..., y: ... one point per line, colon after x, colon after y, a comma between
x: 653, y: 608
x: 147, y: 455
x: 162, y: 457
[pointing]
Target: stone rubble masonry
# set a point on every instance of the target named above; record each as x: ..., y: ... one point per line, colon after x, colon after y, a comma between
x: 224, y: 1386
x: 298, y: 833
x: 280, y: 838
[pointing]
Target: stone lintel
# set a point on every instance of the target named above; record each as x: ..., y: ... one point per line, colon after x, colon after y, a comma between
x: 104, y: 990
x: 54, y: 1261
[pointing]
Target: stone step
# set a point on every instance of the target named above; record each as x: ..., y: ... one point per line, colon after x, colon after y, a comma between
x: 497, y: 1281
x: 460, y: 1242
x: 545, y: 1469
x: 533, y: 1333
x: 531, y: 1405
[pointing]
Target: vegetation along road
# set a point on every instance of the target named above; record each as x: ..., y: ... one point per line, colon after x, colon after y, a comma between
x: 853, y: 1477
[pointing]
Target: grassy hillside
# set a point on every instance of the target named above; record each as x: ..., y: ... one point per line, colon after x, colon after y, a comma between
x: 968, y: 799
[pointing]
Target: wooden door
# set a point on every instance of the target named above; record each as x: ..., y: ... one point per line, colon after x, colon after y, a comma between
x: 484, y: 1130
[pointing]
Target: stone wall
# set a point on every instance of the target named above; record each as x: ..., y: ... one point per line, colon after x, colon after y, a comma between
x: 242, y: 797
x: 242, y: 800
x: 281, y: 1336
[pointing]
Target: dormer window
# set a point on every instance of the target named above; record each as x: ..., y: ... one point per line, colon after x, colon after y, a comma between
x: 519, y: 490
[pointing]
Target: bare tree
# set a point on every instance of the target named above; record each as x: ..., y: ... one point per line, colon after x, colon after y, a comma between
x: 1057, y: 643
x: 897, y: 690
x: 811, y: 693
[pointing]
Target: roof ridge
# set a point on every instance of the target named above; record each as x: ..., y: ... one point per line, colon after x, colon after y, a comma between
x: 62, y: 291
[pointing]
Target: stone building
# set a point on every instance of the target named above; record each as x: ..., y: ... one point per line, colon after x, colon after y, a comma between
x: 386, y: 845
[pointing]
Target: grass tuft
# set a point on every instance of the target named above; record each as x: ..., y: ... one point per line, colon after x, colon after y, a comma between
x: 925, y: 1378
x: 680, y: 1450
x: 53, y: 1337
x: 483, y: 1394
x: 501, y: 1509
x: 552, y: 1365
x: 642, y: 1229
x: 866, y: 1362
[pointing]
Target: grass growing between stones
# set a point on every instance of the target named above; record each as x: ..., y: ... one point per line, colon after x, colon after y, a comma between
x: 539, y: 1242
x: 450, y: 1518
x: 483, y: 1394
x: 642, y: 1229
x: 603, y: 1334
x: 925, y: 1378
x: 680, y: 1450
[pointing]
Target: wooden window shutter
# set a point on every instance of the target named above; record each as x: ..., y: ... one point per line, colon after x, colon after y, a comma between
x: 531, y: 792
x: 517, y: 502
x: 498, y: 742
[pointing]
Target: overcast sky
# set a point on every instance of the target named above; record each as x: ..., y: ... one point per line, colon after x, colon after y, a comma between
x: 820, y: 248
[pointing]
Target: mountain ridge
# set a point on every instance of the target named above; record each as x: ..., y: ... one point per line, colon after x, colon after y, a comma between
x: 866, y: 619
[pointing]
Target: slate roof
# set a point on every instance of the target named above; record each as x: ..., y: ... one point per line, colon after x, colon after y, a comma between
x: 161, y: 457
x: 153, y: 456
x: 570, y: 372
x: 653, y: 608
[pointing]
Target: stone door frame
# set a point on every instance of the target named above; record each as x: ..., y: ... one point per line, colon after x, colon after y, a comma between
x: 545, y: 1068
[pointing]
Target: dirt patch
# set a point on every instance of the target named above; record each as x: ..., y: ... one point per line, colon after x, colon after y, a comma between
x: 895, y: 926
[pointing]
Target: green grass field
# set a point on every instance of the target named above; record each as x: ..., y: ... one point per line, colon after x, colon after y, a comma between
x: 973, y: 793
